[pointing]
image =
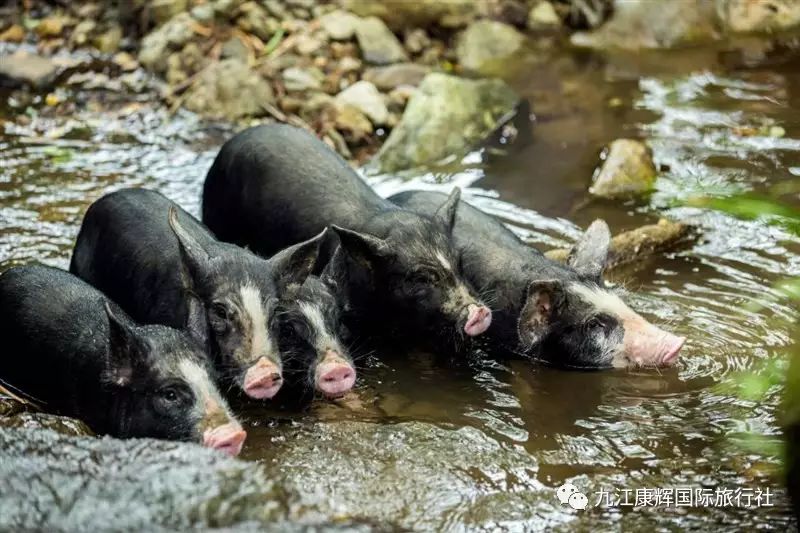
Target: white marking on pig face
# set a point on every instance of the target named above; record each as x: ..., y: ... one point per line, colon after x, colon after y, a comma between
x: 443, y: 261
x: 213, y: 410
x: 261, y: 342
x: 323, y: 339
x: 642, y: 343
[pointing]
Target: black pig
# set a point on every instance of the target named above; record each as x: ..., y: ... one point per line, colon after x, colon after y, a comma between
x: 147, y: 255
x: 274, y: 185
x: 563, y: 314
x: 71, y: 349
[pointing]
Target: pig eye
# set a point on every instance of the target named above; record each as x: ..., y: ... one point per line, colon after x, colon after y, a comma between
x: 424, y: 277
x: 596, y: 323
x: 219, y: 311
x: 170, y: 394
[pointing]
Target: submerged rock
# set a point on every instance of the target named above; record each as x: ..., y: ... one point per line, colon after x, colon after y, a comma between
x: 628, y: 170
x: 485, y: 41
x: 445, y: 117
x: 391, y: 76
x: 635, y: 244
x: 60, y: 424
x: 377, y: 42
x: 365, y: 97
x: 229, y: 90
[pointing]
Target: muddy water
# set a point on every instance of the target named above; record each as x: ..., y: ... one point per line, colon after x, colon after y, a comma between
x: 432, y: 443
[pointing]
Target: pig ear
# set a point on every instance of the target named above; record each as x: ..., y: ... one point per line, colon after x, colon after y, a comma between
x: 196, y: 323
x: 361, y: 247
x: 542, y: 302
x: 122, y: 348
x: 294, y: 264
x: 447, y: 211
x: 589, y: 255
x: 194, y: 257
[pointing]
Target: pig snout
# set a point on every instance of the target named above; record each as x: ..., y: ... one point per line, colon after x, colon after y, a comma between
x: 479, y: 318
x: 227, y: 438
x: 262, y: 380
x: 334, y: 375
x: 648, y: 345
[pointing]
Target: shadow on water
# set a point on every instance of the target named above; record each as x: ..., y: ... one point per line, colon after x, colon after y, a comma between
x: 429, y: 443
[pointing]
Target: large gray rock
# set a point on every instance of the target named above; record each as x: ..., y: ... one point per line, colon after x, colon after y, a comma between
x: 167, y: 38
x: 229, y: 90
x: 446, y: 116
x: 628, y: 169
x: 485, y: 41
x: 377, y: 42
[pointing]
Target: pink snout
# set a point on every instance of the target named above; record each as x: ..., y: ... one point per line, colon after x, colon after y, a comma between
x: 262, y: 380
x: 334, y: 375
x: 227, y: 438
x: 648, y: 345
x: 479, y: 319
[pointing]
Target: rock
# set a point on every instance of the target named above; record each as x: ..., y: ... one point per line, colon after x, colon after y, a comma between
x: 22, y: 68
x: 163, y: 10
x: 485, y: 41
x: 416, y: 40
x: 302, y: 79
x: 351, y: 121
x: 307, y: 45
x: 645, y: 24
x: 13, y: 34
x: 50, y: 27
x: 339, y: 25
x: 628, y: 170
x: 417, y: 13
x: 81, y: 32
x: 125, y: 61
x: 234, y: 48
x: 59, y: 424
x: 378, y: 44
x: 254, y: 19
x: 203, y: 13
x: 229, y: 90
x: 349, y: 64
x: 389, y: 77
x: 629, y: 246
x: 158, y: 44
x: 758, y: 15
x: 364, y: 96
x: 543, y: 15
x: 108, y: 41
x: 445, y: 117
x: 226, y: 7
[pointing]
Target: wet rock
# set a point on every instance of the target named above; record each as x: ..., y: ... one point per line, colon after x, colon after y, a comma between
x: 645, y: 24
x: 445, y: 117
x: 628, y: 169
x: 758, y: 15
x: 158, y: 44
x: 419, y: 13
x: 13, y: 34
x: 339, y: 25
x: 378, y: 44
x: 302, y: 79
x: 389, y: 77
x: 59, y: 424
x: 351, y: 121
x: 254, y: 19
x: 163, y: 10
x: 364, y: 96
x: 22, y: 68
x: 485, y: 41
x: 229, y: 90
x: 635, y: 244
x: 543, y: 15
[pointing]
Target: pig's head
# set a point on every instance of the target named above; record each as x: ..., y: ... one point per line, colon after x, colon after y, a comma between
x: 167, y: 385
x: 312, y: 338
x: 416, y: 271
x: 575, y: 321
x: 239, y: 292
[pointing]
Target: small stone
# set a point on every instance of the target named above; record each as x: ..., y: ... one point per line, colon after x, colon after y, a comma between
x: 163, y: 10
x: 125, y: 61
x: 254, y: 19
x: 50, y: 27
x: 159, y: 43
x: 81, y: 32
x: 108, y: 41
x: 759, y: 15
x: 339, y: 25
x: 391, y: 76
x: 13, y: 34
x: 203, y: 13
x: 225, y: 7
x: 52, y: 99
x: 306, y: 45
x: 485, y: 41
x: 302, y: 79
x: 417, y: 40
x: 628, y: 170
x: 22, y: 68
x: 777, y: 132
x: 276, y: 9
x: 364, y: 96
x: 378, y: 44
x: 229, y: 90
x: 543, y: 15
x: 349, y: 119
x: 349, y: 64
x: 235, y: 48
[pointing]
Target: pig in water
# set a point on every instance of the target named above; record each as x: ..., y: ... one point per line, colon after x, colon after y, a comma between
x: 315, y: 355
x: 560, y: 313
x: 148, y: 255
x: 274, y: 185
x: 71, y: 349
